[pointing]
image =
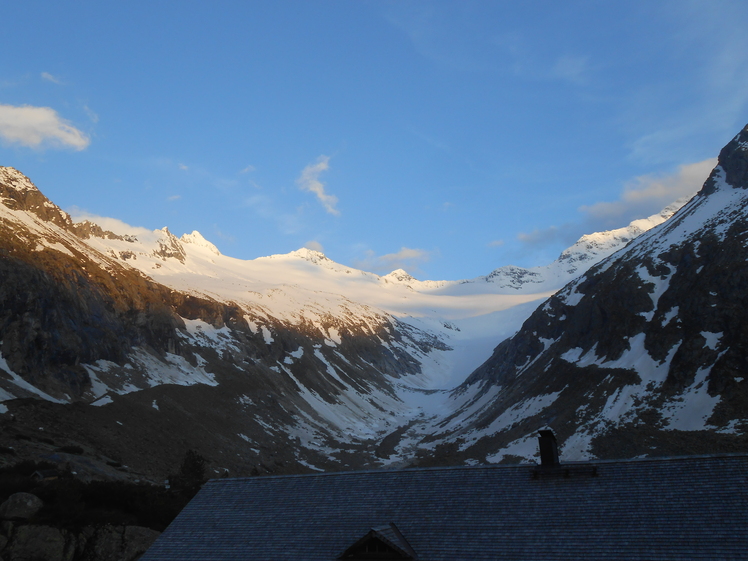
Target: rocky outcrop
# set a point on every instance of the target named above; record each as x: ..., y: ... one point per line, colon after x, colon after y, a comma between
x: 650, y: 342
x: 22, y: 540
x: 20, y: 506
x: 31, y: 542
x: 80, y: 326
x: 169, y: 247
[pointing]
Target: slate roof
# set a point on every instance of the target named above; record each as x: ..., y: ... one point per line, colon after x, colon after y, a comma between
x: 655, y: 509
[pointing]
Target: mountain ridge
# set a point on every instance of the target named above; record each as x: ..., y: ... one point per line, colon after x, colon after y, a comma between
x: 646, y: 350
x: 337, y: 367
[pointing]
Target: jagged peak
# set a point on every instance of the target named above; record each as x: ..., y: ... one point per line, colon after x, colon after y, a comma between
x: 399, y: 275
x: 733, y: 160
x: 15, y: 179
x: 169, y: 246
x: 196, y: 238
x: 602, y: 243
x: 86, y: 229
x: 309, y: 255
x: 17, y: 192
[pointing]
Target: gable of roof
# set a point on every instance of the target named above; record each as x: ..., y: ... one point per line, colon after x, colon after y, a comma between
x: 656, y: 509
x: 387, y: 542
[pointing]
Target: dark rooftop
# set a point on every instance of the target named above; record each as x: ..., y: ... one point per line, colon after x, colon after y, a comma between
x: 655, y: 509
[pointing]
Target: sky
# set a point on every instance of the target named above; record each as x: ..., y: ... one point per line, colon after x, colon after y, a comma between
x: 447, y: 138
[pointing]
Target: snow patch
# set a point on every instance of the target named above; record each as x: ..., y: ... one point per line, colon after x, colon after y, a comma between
x: 267, y: 335
x: 525, y: 447
x: 712, y: 339
x: 672, y: 313
x: 102, y: 401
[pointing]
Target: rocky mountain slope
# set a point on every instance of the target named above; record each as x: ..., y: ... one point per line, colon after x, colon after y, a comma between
x: 163, y: 370
x: 135, y: 346
x: 646, y: 353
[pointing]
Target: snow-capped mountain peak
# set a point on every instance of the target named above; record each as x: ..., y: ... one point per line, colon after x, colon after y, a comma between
x: 13, y: 179
x: 648, y: 346
x: 196, y: 239
x: 297, y: 351
x: 575, y: 260
x: 399, y: 275
x: 311, y: 255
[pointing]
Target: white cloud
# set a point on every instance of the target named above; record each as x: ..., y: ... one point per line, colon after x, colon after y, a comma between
x: 315, y: 246
x: 496, y: 243
x: 47, y: 76
x: 36, y: 127
x: 309, y: 181
x: 183, y: 167
x: 248, y: 169
x: 641, y: 197
x: 647, y: 194
x: 112, y: 224
x: 174, y: 198
x: 407, y: 258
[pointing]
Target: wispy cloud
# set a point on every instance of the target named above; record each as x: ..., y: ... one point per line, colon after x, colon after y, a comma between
x: 713, y: 97
x: 496, y: 243
x: 248, y: 169
x: 112, y: 224
x: 91, y: 115
x: 641, y: 197
x: 37, y: 127
x: 264, y: 207
x: 407, y: 259
x: 314, y: 245
x: 647, y: 194
x: 222, y: 235
x: 309, y: 181
x: 571, y: 68
x: 174, y: 198
x: 49, y: 78
x: 183, y: 167
x: 568, y: 233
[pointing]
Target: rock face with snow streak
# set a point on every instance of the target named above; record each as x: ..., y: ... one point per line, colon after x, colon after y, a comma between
x: 121, y: 364
x: 646, y: 351
x: 136, y: 348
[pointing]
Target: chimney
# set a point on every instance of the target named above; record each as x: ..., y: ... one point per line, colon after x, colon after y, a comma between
x: 548, y: 449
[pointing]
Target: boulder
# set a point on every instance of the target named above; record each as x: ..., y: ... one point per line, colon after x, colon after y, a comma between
x: 116, y: 543
x: 38, y: 543
x: 20, y: 506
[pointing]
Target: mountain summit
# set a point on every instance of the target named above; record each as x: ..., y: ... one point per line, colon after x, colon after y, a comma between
x: 138, y: 347
x: 645, y: 351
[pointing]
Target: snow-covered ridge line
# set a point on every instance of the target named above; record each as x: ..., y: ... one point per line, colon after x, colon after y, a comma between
x: 470, y: 316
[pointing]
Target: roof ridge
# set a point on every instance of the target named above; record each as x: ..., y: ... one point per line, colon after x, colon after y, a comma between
x: 486, y: 466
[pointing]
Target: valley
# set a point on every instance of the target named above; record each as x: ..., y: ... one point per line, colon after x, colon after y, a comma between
x: 133, y: 347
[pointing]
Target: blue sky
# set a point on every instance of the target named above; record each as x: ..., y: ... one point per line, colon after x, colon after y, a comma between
x: 447, y: 138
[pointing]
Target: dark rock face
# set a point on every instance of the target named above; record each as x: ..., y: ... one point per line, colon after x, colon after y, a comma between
x: 665, y: 316
x: 20, y: 506
x: 734, y: 160
x: 73, y: 319
x: 25, y: 542
x: 57, y: 312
